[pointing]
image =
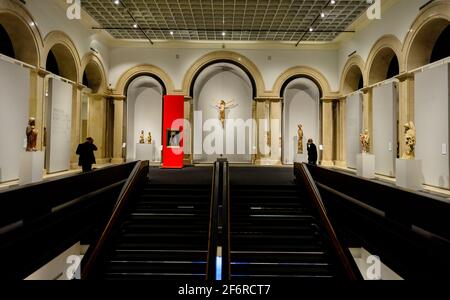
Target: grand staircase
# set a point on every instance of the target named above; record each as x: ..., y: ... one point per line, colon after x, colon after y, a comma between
x: 164, y: 234
x: 274, y: 233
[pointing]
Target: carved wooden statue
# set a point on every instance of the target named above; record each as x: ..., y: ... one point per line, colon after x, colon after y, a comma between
x: 149, y: 138
x: 410, y: 141
x: 141, y: 138
x: 32, y: 134
x: 222, y: 107
x: 300, y: 139
x: 365, y: 141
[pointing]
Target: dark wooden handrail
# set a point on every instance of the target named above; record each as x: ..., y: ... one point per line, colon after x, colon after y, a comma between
x: 313, y: 191
x: 92, y: 256
x: 213, y: 224
x: 226, y: 222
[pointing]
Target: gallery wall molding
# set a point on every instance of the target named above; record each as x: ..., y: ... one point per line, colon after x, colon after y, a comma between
x: 27, y: 40
x: 350, y: 74
x: 380, y: 56
x: 92, y: 58
x: 224, y: 56
x: 302, y: 71
x: 422, y: 35
x: 142, y: 70
x: 58, y: 40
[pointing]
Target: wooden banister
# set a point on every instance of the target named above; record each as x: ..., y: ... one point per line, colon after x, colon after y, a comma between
x: 349, y: 270
x: 95, y: 251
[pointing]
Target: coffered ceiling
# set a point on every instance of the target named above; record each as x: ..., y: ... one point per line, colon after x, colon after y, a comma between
x: 225, y: 20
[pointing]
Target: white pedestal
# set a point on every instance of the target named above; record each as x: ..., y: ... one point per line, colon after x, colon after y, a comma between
x: 31, y: 167
x: 409, y: 174
x: 365, y: 165
x: 297, y: 156
x: 145, y: 152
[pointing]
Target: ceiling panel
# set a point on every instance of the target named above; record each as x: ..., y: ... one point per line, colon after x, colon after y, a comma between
x: 239, y: 20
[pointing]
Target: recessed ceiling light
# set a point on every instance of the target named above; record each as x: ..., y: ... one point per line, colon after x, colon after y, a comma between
x: 322, y: 14
x: 223, y: 33
x: 171, y: 32
x: 311, y: 29
x: 32, y: 23
x: 135, y: 25
x: 116, y: 2
x: 333, y: 2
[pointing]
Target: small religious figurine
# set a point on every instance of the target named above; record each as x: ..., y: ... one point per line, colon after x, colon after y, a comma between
x: 221, y: 107
x: 365, y: 141
x: 300, y: 139
x: 269, y: 138
x: 31, y: 133
x: 141, y: 138
x: 149, y: 138
x: 410, y: 141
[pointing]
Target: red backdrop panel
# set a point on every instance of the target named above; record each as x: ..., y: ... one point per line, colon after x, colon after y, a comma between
x: 173, y: 118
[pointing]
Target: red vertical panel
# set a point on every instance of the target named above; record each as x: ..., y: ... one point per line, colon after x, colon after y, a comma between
x: 173, y: 119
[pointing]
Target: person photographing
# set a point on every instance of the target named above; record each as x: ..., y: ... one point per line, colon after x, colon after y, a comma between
x: 86, y: 153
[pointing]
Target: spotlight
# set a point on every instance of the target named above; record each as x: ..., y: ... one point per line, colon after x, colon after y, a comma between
x: 116, y: 2
x: 135, y: 26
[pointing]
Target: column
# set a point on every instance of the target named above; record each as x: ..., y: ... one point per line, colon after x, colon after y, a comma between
x: 76, y: 118
x: 327, y: 133
x: 118, y: 130
x: 97, y: 125
x: 367, y: 113
x: 340, y: 143
x: 406, y: 105
x: 275, y: 130
x: 188, y: 130
x: 37, y: 102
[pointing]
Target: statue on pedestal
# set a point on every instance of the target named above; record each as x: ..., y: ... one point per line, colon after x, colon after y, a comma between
x: 141, y: 138
x: 364, y: 138
x: 410, y: 141
x: 300, y: 139
x: 149, y: 138
x: 32, y: 134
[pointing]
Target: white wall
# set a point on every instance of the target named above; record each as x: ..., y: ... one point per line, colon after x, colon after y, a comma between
x: 353, y: 127
x: 396, y: 20
x: 144, y: 108
x: 431, y: 112
x: 224, y: 82
x: 59, y: 127
x: 324, y: 61
x: 301, y: 106
x: 385, y: 118
x: 13, y: 117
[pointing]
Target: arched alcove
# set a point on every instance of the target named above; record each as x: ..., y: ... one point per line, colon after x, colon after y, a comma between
x: 441, y: 48
x: 353, y: 80
x: 385, y: 65
x: 93, y: 77
x: 229, y: 57
x: 18, y: 39
x: 427, y: 43
x: 301, y: 107
x: 61, y: 60
x: 227, y: 82
x: 144, y: 112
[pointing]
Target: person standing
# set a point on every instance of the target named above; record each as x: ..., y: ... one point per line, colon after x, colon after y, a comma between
x: 312, y: 153
x: 86, y: 153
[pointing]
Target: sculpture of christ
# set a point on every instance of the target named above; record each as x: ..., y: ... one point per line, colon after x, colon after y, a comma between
x: 222, y: 107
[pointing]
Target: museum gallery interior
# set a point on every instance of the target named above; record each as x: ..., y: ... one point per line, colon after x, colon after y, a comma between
x: 224, y: 140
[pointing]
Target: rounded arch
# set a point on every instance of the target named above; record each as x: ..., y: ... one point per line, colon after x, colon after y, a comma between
x: 22, y: 31
x: 385, y: 51
x: 424, y: 33
x: 144, y: 70
x: 352, y: 76
x: 224, y: 57
x: 58, y: 44
x: 301, y: 72
x: 93, y: 71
